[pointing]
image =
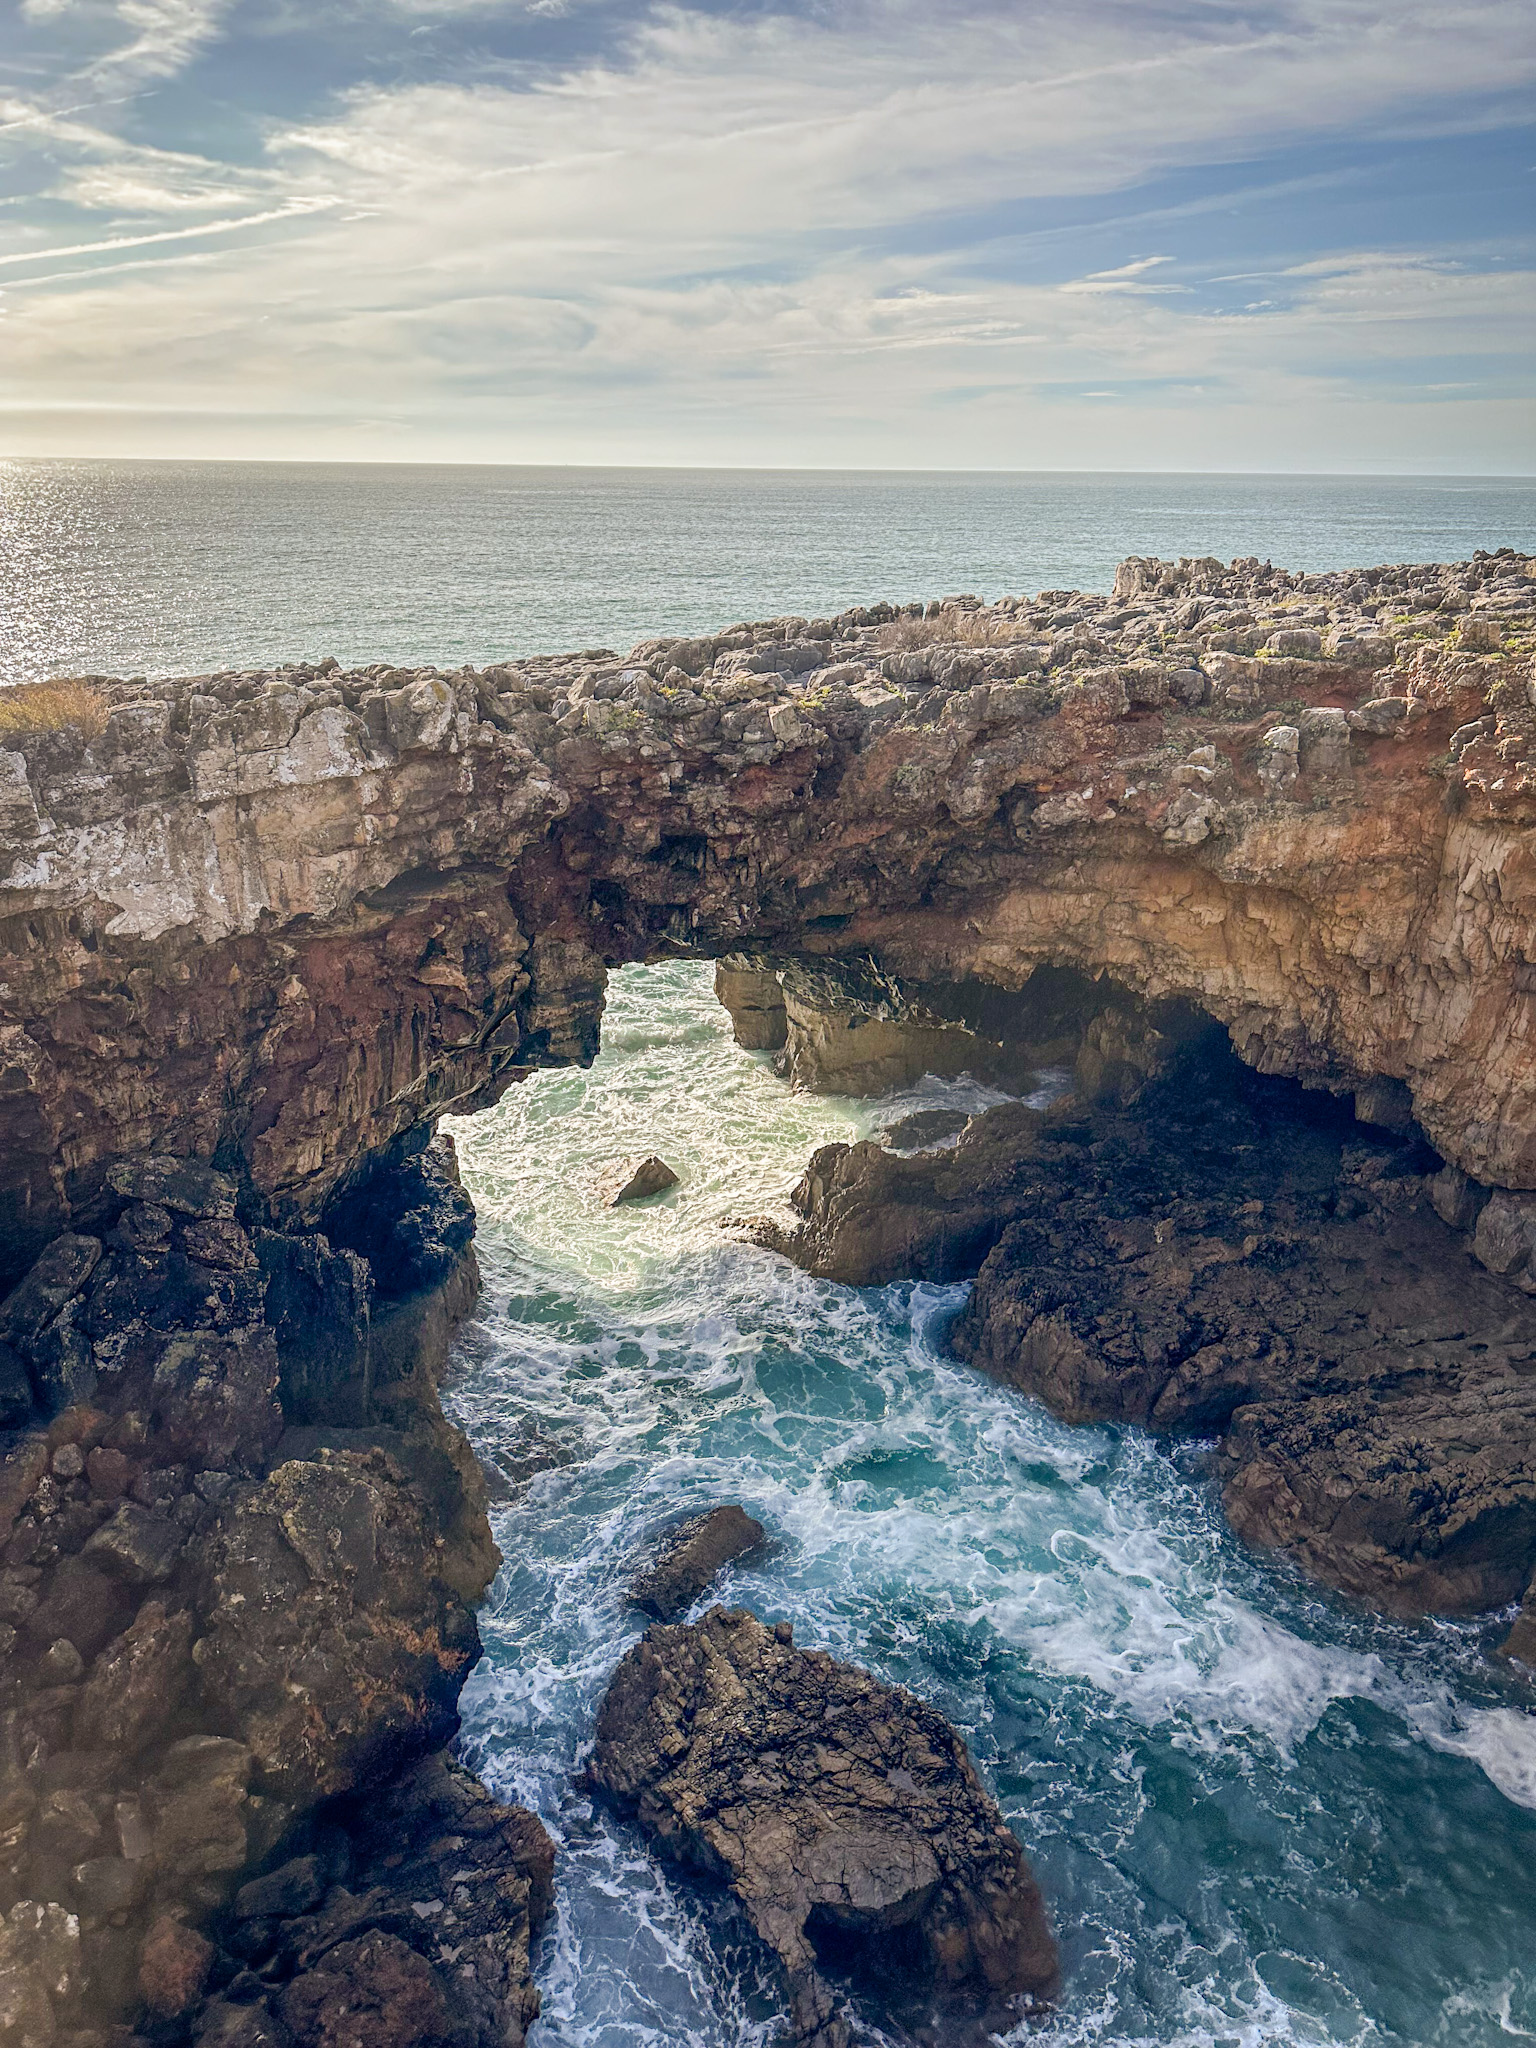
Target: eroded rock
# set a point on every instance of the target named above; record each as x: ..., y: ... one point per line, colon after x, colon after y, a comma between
x: 1229, y: 1258
x: 693, y: 1555
x: 835, y: 1808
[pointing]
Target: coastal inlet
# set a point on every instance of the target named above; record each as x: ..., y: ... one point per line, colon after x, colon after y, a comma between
x: 1258, y: 1816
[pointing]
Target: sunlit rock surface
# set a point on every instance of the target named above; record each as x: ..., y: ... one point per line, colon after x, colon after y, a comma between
x: 279, y: 920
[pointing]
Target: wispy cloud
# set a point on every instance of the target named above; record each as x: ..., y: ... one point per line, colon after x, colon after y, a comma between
x: 288, y: 211
x: 703, y: 207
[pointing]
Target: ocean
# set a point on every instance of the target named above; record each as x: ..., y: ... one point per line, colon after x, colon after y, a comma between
x: 161, y: 568
x: 1259, y: 1816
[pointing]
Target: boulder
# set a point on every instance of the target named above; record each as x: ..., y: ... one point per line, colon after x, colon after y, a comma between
x: 695, y: 1553
x: 841, y: 1812
x: 636, y: 1179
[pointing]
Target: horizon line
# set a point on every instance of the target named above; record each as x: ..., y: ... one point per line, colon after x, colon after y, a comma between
x: 777, y: 469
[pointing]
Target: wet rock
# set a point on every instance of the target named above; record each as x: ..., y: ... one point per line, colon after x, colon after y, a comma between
x: 636, y: 1179
x: 1228, y: 1259
x: 136, y: 1546
x: 924, y: 1129
x: 694, y: 1554
x: 835, y: 1808
x: 174, y: 1968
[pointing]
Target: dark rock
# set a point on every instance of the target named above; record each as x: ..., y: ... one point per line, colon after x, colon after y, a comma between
x: 375, y: 1990
x: 292, y: 1888
x: 55, y: 1279
x: 15, y: 1388
x: 837, y: 1810
x: 136, y: 1546
x: 316, y: 1599
x: 84, y: 1605
x: 636, y: 1179
x: 318, y: 1306
x: 694, y: 1553
x: 184, y: 1185
x: 1233, y: 1256
x: 225, y: 2024
x: 924, y: 1130
x: 109, y: 1472
x: 174, y: 1968
x: 139, y: 1684
x: 61, y: 1663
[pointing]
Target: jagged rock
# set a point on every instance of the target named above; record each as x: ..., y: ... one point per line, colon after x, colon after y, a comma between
x: 376, y: 909
x: 181, y: 1568
x: 831, y: 1805
x: 695, y: 1552
x: 1226, y: 1259
x: 635, y: 1180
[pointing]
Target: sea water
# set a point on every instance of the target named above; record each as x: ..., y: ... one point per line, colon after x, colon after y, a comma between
x: 164, y: 568
x: 1257, y: 1815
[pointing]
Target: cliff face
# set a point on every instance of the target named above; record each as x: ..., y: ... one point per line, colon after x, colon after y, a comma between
x: 279, y: 921
x: 259, y: 931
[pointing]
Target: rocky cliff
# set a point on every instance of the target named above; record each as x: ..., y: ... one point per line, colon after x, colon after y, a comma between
x: 280, y: 921
x: 259, y: 931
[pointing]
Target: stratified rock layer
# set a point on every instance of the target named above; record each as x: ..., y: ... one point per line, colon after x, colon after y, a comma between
x: 836, y: 1809
x: 278, y: 921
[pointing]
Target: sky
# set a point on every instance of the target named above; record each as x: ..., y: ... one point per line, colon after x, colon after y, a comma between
x: 1111, y: 234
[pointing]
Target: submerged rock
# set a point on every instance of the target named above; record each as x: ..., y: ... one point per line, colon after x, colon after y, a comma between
x: 696, y: 1551
x: 844, y: 1814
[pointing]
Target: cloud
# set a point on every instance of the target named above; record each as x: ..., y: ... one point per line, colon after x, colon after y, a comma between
x: 712, y: 211
x: 287, y: 211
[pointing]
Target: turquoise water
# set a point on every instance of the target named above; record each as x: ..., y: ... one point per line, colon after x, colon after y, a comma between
x: 143, y: 568
x: 1258, y: 1817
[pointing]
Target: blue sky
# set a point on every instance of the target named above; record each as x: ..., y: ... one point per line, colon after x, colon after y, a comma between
x: 1156, y: 234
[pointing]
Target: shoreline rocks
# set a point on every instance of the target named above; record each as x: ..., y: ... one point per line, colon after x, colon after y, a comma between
x: 285, y: 919
x: 1228, y: 1257
x: 843, y: 1814
x: 695, y: 1553
x: 238, y: 1629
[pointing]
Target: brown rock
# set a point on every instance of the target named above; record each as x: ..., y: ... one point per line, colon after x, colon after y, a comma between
x: 138, y: 1684
x: 370, y: 1993
x: 109, y: 1473
x: 694, y: 1553
x: 636, y: 1179
x: 834, y: 1807
x: 173, y: 1968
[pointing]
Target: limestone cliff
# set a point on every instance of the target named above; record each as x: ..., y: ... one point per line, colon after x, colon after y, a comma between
x: 259, y: 931
x: 280, y: 920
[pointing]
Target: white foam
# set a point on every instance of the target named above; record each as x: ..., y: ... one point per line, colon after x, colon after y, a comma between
x: 928, y: 1523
